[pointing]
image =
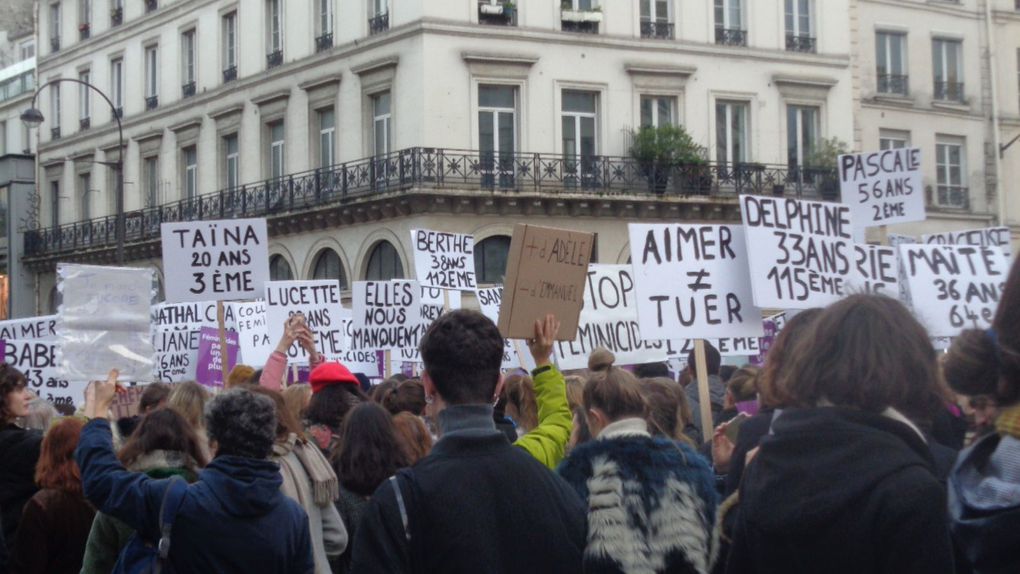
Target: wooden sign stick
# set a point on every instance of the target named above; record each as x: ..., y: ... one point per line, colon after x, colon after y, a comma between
x: 224, y: 356
x: 704, y: 395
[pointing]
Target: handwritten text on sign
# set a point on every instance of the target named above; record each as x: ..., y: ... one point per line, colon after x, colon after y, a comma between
x: 209, y: 372
x: 444, y: 260
x: 176, y: 352
x: 215, y: 260
x: 989, y: 237
x: 954, y: 288
x: 38, y: 362
x: 252, y: 332
x: 800, y: 252
x: 883, y: 187
x: 33, y: 328
x: 489, y: 301
x: 319, y: 301
x: 692, y: 281
x: 875, y: 271
x: 387, y: 315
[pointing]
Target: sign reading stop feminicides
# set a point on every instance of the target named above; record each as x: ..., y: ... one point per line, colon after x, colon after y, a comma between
x: 883, y: 187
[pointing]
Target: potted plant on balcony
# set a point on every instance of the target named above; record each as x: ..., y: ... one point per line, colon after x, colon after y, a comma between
x: 660, y: 151
x: 820, y: 167
x: 569, y: 14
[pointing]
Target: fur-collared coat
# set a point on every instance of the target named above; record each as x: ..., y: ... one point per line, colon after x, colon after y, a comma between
x: 651, y: 502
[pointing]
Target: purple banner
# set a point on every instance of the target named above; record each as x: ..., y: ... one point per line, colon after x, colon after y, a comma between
x: 209, y: 370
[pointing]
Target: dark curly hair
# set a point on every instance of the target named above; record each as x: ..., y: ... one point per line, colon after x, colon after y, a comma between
x: 463, y: 352
x: 330, y: 405
x: 242, y: 423
x: 11, y: 380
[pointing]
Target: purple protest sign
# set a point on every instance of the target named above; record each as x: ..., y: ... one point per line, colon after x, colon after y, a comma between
x: 209, y: 371
x: 772, y: 326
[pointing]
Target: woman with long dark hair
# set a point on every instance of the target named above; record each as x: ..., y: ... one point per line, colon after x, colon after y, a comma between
x: 19, y: 450
x: 162, y: 445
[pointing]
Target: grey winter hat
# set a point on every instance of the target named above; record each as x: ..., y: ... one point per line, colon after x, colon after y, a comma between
x: 242, y: 423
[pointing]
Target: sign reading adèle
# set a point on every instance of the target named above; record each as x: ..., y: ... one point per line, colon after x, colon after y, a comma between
x: 215, y: 260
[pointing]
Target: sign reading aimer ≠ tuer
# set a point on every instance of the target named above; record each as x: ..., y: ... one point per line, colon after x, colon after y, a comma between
x: 883, y: 187
x: 444, y: 260
x: 215, y: 260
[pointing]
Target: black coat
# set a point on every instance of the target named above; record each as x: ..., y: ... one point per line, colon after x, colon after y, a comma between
x: 475, y: 505
x: 19, y: 452
x: 838, y: 490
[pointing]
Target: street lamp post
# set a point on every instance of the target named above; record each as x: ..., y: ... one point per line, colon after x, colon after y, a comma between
x: 33, y: 118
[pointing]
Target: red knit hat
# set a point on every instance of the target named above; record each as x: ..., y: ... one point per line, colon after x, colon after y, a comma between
x: 328, y: 374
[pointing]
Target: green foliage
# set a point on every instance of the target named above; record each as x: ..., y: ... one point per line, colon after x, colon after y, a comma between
x: 826, y: 154
x: 666, y: 145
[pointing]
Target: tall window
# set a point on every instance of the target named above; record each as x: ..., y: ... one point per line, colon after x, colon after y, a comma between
x: 731, y: 131
x: 582, y: 5
x: 274, y: 17
x: 151, y: 77
x: 55, y: 26
x: 658, y: 111
x: 150, y: 175
x: 490, y: 259
x: 729, y: 23
x: 950, y: 168
x: 946, y: 57
x: 85, y: 194
x: 655, y: 21
x: 54, y: 204
x: 327, y: 137
x: 579, y: 120
x: 230, y: 161
x: 55, y: 107
x: 84, y: 100
x: 381, y: 129
x: 279, y: 269
x: 328, y: 266
x: 84, y: 17
x: 189, y: 157
x: 384, y: 263
x: 117, y: 85
x: 800, y: 33
x: 26, y: 49
x: 324, y: 17
x: 276, y: 150
x: 188, y: 63
x: 888, y: 139
x: 497, y: 123
x: 891, y: 63
x: 802, y: 127
x: 3, y: 138
x: 379, y: 7
x: 229, y: 46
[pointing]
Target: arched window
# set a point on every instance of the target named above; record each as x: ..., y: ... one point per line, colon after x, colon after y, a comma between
x: 329, y: 266
x: 490, y: 259
x: 384, y: 263
x: 279, y: 269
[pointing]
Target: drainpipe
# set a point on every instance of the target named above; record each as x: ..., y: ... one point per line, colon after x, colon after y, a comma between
x: 1000, y: 193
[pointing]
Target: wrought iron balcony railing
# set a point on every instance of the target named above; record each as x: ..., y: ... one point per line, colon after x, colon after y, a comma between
x: 229, y: 74
x: 730, y: 37
x: 500, y: 14
x: 84, y: 31
x: 55, y: 43
x: 84, y: 123
x: 55, y: 132
x: 580, y: 27
x: 953, y: 197
x: 324, y: 42
x: 949, y: 91
x: 274, y: 58
x: 151, y: 6
x: 806, y: 44
x: 550, y: 175
x: 657, y: 30
x: 188, y: 90
x: 898, y: 84
x: 118, y: 112
x: 151, y: 102
x: 379, y: 23
x: 116, y: 16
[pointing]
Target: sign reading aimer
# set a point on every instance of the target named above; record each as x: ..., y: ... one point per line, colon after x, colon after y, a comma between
x: 444, y: 260
x: 883, y: 187
x: 215, y: 260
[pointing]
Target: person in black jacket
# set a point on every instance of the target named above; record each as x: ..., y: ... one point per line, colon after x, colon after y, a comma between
x: 475, y: 504
x: 19, y: 451
x: 845, y: 483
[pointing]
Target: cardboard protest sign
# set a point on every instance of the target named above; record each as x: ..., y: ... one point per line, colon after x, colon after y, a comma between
x: 883, y: 187
x: 253, y: 339
x: 319, y: 301
x: 125, y: 403
x: 692, y: 281
x: 800, y: 252
x: 192, y: 315
x: 444, y: 260
x: 104, y: 322
x: 37, y: 360
x: 387, y: 315
x: 545, y: 273
x: 176, y: 353
x: 209, y: 371
x: 609, y: 319
x: 988, y: 237
x: 215, y: 260
x: 876, y: 271
x: 32, y: 328
x: 954, y: 288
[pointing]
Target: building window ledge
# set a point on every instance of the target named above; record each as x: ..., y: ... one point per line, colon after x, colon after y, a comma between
x: 951, y: 106
x: 324, y: 42
x: 594, y: 16
x: 379, y: 24
x: 657, y: 30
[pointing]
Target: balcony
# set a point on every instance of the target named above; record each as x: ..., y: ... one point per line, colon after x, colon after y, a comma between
x: 84, y: 123
x: 580, y: 21
x: 151, y: 6
x: 657, y: 30
x: 416, y: 171
x: 500, y: 14
x: 949, y: 92
x: 151, y: 102
x: 378, y: 24
x: 55, y: 44
x: 84, y: 31
x: 229, y: 74
x: 952, y: 197
x: 324, y: 42
x: 730, y: 37
x: 805, y: 44
x: 895, y: 84
x: 188, y: 90
x: 274, y: 59
x: 116, y: 17
x: 55, y: 133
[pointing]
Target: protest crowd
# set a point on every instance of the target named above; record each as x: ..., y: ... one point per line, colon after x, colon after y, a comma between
x: 853, y: 447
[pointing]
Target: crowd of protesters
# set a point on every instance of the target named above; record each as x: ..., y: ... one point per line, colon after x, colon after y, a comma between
x: 856, y: 448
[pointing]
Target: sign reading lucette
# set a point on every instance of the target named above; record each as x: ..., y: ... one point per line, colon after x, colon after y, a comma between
x: 883, y: 187
x: 444, y: 260
x: 215, y: 260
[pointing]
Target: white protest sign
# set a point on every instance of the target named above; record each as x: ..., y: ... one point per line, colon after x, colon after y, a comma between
x: 387, y: 315
x: 988, y: 237
x: 444, y: 260
x: 104, y: 322
x: 883, y: 187
x: 515, y: 353
x: 433, y: 304
x: 609, y: 319
x: 895, y: 240
x: 193, y: 315
x: 319, y: 301
x: 365, y: 362
x: 800, y: 252
x: 37, y: 360
x: 727, y: 347
x: 692, y: 281
x: 215, y: 260
x: 31, y: 328
x: 875, y: 271
x: 252, y: 332
x: 176, y: 352
x: 954, y: 288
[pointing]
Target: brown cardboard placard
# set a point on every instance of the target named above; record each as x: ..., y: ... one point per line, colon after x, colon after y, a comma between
x: 125, y: 403
x: 545, y: 273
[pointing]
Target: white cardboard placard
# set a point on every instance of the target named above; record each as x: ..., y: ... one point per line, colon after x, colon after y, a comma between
x: 215, y: 260
x: 883, y: 187
x: 444, y: 260
x: 987, y: 237
x: 37, y: 360
x: 387, y: 315
x: 32, y: 328
x: 319, y: 301
x: 876, y: 271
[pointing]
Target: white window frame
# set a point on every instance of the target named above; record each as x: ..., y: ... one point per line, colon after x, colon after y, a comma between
x: 84, y: 95
x: 55, y: 13
x: 387, y: 119
x: 26, y: 49
x: 55, y: 203
x: 802, y: 152
x: 379, y: 7
x: 229, y: 40
x: 189, y: 161
x: 653, y: 12
x: 117, y: 82
x: 274, y: 33
x: 327, y: 136
x: 277, y: 150
x: 55, y: 104
x: 578, y: 116
x: 943, y: 166
x: 893, y: 139
x: 232, y: 161
x: 85, y: 202
x: 150, y: 175
x: 728, y: 17
x: 584, y: 5
x: 940, y: 59
x: 496, y: 112
x: 792, y: 9
x: 729, y: 107
x: 85, y: 12
x: 656, y: 99
x: 324, y: 17
x: 897, y: 39
x: 188, y: 56
x: 152, y: 70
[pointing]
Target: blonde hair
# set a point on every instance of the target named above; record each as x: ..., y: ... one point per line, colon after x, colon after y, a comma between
x: 521, y: 404
x: 612, y: 390
x: 575, y: 391
x: 296, y: 397
x: 188, y: 399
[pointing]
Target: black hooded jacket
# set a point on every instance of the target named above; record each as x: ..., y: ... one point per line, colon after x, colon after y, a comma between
x: 19, y: 452
x: 839, y: 490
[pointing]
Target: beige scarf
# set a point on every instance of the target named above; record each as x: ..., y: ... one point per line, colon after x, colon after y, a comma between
x: 325, y: 485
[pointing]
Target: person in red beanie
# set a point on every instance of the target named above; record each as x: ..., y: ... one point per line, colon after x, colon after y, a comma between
x: 335, y: 391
